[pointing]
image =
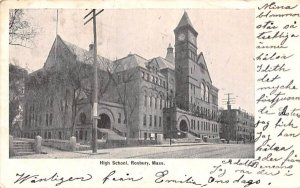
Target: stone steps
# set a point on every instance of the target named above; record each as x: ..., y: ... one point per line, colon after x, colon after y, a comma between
x: 23, y: 148
x: 20, y: 153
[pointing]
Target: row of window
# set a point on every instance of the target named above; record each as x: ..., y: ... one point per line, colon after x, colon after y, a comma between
x: 156, y: 120
x: 150, y: 136
x: 81, y: 135
x: 154, y: 79
x: 34, y: 120
x: 243, y: 129
x: 150, y: 101
x: 204, y: 92
x: 205, y: 126
x: 33, y: 116
x: 204, y: 111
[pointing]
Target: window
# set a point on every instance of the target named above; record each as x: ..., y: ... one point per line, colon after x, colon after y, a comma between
x: 61, y: 105
x: 159, y: 122
x: 145, y: 136
x: 198, y: 125
x: 45, y: 135
x: 145, y: 101
x: 148, y: 76
x: 143, y: 74
x: 59, y: 135
x: 82, y: 118
x: 206, y: 94
x: 80, y: 135
x: 155, y: 120
x: 49, y: 135
x: 40, y: 120
x: 168, y: 123
x: 119, y: 118
x: 51, y: 102
x: 155, y: 103
x: 47, y: 120
x: 160, y: 104
x: 150, y: 120
x: 202, y: 91
x: 50, y: 119
x: 150, y: 102
x: 145, y: 120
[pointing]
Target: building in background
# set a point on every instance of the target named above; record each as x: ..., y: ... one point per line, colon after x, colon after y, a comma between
x: 236, y: 125
x: 138, y: 98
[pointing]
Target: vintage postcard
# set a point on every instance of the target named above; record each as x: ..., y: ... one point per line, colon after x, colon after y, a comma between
x: 158, y: 94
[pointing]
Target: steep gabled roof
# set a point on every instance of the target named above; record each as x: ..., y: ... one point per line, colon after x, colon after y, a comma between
x: 86, y: 56
x: 82, y: 55
x: 201, y: 60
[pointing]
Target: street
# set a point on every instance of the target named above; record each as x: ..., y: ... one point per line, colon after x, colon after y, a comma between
x: 190, y: 150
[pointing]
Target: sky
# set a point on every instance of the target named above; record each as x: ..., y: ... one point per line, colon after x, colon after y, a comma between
x: 226, y: 38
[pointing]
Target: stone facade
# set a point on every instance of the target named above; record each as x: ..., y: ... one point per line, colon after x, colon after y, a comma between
x: 138, y: 97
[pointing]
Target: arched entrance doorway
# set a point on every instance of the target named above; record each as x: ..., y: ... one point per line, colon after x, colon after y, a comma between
x: 104, y: 122
x: 183, y: 126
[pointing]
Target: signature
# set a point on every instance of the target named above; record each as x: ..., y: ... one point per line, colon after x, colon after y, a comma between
x: 55, y: 177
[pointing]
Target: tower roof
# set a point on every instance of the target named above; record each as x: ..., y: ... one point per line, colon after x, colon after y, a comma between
x: 185, y: 20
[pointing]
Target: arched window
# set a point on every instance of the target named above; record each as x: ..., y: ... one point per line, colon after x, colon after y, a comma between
x: 202, y: 91
x: 206, y: 93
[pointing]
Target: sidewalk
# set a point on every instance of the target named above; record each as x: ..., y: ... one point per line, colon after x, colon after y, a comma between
x: 144, y: 148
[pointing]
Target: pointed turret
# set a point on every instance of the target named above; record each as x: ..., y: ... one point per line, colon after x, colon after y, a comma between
x: 185, y: 22
x: 170, y: 55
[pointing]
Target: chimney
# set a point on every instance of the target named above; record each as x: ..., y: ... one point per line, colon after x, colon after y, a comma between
x: 170, y: 55
x: 91, y: 47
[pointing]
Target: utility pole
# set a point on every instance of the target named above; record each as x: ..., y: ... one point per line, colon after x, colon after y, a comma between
x: 229, y: 101
x: 95, y: 88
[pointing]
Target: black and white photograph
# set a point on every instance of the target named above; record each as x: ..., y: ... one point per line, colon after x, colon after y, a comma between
x: 131, y: 83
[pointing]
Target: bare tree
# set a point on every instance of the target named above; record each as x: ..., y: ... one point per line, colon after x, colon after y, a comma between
x: 123, y: 82
x: 21, y: 32
x: 17, y: 76
x: 80, y: 80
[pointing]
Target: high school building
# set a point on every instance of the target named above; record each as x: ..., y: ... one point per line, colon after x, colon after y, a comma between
x: 171, y: 96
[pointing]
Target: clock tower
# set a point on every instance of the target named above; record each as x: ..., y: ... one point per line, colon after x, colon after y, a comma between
x: 185, y: 61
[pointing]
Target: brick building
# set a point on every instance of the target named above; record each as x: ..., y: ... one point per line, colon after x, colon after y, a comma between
x: 236, y: 125
x: 138, y: 98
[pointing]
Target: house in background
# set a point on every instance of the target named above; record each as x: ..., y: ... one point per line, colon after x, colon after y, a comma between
x: 236, y: 125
